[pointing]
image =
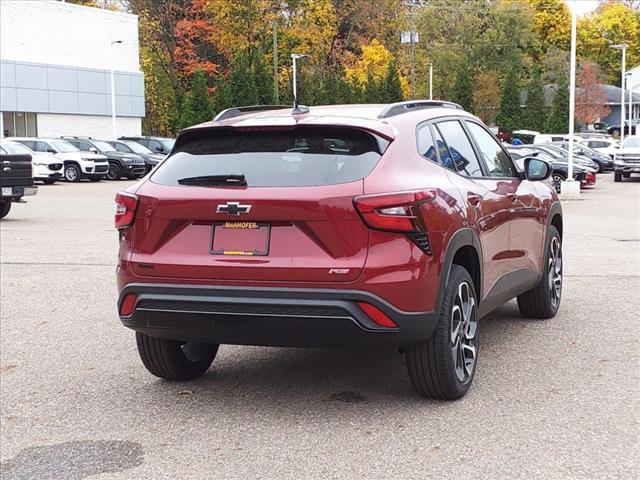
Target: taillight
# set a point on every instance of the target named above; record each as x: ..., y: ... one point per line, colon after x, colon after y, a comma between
x: 377, y: 315
x: 126, y: 205
x: 395, y: 212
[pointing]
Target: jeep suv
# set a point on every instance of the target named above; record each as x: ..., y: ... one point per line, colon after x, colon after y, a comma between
x: 399, y: 224
x: 77, y: 165
x: 121, y: 164
x: 159, y: 145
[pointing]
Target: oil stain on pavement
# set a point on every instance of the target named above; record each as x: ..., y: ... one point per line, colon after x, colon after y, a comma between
x: 73, y: 460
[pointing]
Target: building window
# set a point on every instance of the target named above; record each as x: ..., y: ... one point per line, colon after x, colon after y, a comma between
x: 19, y: 124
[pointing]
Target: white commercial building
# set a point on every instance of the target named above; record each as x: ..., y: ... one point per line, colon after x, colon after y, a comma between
x: 55, y: 65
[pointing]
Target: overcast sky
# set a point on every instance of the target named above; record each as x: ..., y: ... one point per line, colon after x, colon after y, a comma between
x: 583, y: 6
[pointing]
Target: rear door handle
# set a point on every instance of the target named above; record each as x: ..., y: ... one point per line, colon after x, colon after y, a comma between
x: 474, y: 199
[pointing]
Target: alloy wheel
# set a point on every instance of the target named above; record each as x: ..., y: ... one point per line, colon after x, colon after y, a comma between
x: 557, y: 182
x: 464, y: 325
x: 113, y: 173
x: 71, y: 173
x: 554, y: 274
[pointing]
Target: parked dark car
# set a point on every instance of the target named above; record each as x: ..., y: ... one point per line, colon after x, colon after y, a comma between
x: 160, y: 145
x: 398, y: 225
x: 151, y: 159
x: 16, y: 181
x: 559, y: 165
x: 603, y: 162
x: 563, y: 155
x: 615, y: 129
x: 121, y: 164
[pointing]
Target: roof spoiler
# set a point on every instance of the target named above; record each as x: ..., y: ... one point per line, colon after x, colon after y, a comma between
x: 237, y: 111
x: 404, y: 107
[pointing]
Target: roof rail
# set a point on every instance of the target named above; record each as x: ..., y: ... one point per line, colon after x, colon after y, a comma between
x: 235, y: 111
x: 403, y: 107
x: 77, y: 137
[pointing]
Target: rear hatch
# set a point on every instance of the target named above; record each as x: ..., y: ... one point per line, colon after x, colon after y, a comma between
x: 15, y: 171
x: 257, y: 205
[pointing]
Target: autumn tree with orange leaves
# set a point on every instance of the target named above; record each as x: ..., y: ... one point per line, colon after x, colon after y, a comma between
x: 591, y: 98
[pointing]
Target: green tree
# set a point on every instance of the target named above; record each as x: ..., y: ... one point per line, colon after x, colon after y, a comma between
x: 196, y: 107
x: 463, y: 88
x: 534, y: 113
x: 391, y: 88
x: 509, y: 115
x: 558, y: 119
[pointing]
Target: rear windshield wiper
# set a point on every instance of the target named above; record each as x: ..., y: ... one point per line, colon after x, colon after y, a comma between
x: 215, y: 181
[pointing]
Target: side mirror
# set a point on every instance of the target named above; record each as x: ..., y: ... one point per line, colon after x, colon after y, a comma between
x: 537, y: 169
x: 93, y: 149
x: 51, y: 150
x: 159, y: 149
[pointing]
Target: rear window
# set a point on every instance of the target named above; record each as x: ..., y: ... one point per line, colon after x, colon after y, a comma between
x: 299, y: 157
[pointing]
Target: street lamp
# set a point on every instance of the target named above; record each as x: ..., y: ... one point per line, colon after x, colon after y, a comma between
x: 630, y: 90
x: 113, y: 89
x: 623, y: 47
x: 570, y: 188
x: 294, y: 57
x: 431, y: 81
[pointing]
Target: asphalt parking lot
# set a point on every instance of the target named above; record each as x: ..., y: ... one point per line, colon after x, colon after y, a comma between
x: 551, y: 399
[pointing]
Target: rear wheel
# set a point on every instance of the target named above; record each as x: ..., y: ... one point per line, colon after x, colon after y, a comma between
x: 543, y: 301
x: 557, y: 179
x: 114, y: 172
x: 598, y: 166
x: 5, y: 206
x: 175, y: 360
x: 72, y: 173
x: 617, y: 176
x: 443, y: 367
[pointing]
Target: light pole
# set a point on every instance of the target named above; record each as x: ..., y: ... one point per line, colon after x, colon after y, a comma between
x: 570, y: 188
x: 630, y: 90
x: 275, y: 61
x: 431, y: 81
x: 113, y: 90
x: 623, y: 47
x: 294, y: 58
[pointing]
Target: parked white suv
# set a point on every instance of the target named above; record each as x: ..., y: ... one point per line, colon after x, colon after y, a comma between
x: 46, y: 167
x: 77, y: 164
x: 627, y: 159
x: 608, y: 146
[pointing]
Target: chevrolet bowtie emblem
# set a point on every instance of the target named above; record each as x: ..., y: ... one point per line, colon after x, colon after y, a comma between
x: 233, y: 208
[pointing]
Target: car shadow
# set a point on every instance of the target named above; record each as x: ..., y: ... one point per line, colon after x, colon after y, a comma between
x: 267, y: 376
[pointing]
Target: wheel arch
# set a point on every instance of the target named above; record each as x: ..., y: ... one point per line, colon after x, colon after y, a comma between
x: 463, y: 249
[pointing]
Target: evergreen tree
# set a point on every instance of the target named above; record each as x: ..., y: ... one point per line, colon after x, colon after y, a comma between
x: 558, y: 119
x: 263, y: 79
x: 463, y: 88
x: 391, y: 87
x: 197, y: 106
x: 509, y: 116
x: 534, y: 114
x: 372, y: 90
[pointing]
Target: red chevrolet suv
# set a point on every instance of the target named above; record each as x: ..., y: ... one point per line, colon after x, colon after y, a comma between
x: 399, y: 224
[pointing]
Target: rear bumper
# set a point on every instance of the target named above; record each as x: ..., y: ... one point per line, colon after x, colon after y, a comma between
x: 18, y: 192
x: 269, y: 317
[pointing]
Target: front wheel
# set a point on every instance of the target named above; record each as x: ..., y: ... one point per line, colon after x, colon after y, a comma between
x: 557, y: 179
x: 114, y: 172
x: 598, y: 166
x: 543, y: 300
x: 443, y: 367
x: 72, y: 173
x: 5, y: 206
x: 175, y: 360
x: 617, y: 176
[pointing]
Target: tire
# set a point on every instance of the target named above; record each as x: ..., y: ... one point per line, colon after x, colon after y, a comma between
x: 598, y: 166
x: 543, y: 301
x: 114, y: 172
x: 438, y: 368
x: 94, y: 179
x: 49, y: 181
x: 72, y: 173
x: 557, y: 179
x: 5, y: 207
x: 626, y: 174
x: 617, y: 176
x: 168, y: 359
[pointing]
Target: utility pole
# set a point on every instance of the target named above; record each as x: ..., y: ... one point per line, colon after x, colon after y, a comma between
x: 275, y: 62
x: 623, y: 47
x: 430, y: 81
x: 413, y: 53
x: 113, y: 89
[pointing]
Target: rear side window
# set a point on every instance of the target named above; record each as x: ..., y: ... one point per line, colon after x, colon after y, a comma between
x: 460, y: 149
x: 300, y: 157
